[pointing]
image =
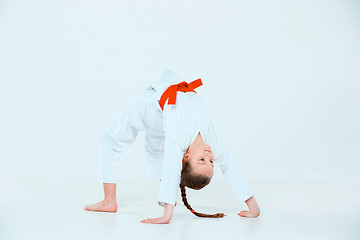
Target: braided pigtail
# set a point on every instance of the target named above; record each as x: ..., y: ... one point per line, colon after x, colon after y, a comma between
x: 190, y: 180
x: 184, y: 199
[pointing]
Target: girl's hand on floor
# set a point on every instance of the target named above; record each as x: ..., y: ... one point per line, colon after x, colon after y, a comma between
x: 254, y: 209
x: 168, y: 210
x: 249, y: 214
x: 160, y: 220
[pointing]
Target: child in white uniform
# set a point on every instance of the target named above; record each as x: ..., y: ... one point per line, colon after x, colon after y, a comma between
x: 181, y: 144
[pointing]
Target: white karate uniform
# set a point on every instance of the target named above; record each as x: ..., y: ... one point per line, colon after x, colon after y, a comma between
x: 168, y: 135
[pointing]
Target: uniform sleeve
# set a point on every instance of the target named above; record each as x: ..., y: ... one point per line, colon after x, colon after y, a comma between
x: 232, y: 173
x: 172, y: 165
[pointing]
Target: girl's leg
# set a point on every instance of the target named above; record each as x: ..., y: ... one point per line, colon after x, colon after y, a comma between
x: 117, y: 137
x: 109, y: 203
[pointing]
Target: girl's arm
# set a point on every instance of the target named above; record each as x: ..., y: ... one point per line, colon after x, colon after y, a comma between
x: 254, y: 209
x: 164, y: 219
x: 236, y: 180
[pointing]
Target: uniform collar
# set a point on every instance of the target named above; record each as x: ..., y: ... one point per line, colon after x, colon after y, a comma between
x: 165, y: 79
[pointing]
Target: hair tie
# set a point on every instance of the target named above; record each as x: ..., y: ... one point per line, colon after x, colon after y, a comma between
x: 192, y: 210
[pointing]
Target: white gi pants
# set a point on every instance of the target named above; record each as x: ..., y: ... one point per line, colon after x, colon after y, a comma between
x: 143, y: 113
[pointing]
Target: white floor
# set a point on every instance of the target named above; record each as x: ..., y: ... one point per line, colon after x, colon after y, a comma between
x: 289, y: 74
x: 50, y: 206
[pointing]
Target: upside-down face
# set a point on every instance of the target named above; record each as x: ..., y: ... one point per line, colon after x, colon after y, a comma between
x: 201, y: 159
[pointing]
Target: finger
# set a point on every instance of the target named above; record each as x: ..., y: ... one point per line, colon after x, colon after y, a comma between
x: 146, y: 220
x: 151, y: 220
x: 245, y: 214
x: 241, y: 213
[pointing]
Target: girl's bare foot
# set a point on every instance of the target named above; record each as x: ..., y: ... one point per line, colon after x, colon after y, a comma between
x: 103, y: 206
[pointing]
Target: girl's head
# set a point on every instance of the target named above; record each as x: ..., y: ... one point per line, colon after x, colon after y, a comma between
x: 201, y: 159
x: 197, y: 171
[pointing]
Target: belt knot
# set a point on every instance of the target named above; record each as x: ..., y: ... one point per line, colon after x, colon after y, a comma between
x: 170, y: 92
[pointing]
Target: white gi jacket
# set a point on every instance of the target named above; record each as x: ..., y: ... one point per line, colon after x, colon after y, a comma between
x: 168, y: 135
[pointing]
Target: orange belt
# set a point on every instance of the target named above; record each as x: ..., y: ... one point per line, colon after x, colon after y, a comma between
x: 170, y: 92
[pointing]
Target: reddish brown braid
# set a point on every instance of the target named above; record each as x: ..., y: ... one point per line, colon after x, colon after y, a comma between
x: 188, y: 179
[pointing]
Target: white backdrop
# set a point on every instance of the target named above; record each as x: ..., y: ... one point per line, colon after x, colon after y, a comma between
x: 281, y: 79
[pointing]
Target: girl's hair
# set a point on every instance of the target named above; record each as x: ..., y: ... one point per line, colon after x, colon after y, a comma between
x: 194, y: 181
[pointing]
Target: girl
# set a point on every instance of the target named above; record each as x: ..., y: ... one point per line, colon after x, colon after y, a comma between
x: 181, y: 144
